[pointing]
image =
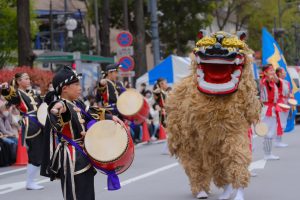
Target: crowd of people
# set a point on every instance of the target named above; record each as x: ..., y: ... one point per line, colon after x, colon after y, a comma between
x: 10, y: 117
x: 9, y: 129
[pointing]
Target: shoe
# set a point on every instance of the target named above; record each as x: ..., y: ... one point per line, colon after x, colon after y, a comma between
x: 137, y: 141
x: 240, y: 194
x: 32, y: 172
x: 271, y: 157
x: 153, y: 138
x: 253, y: 174
x: 281, y: 145
x: 228, y: 191
x: 202, y: 195
x: 34, y: 186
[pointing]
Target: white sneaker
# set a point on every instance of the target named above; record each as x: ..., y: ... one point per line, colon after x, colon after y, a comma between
x: 202, y: 195
x: 34, y: 186
x: 239, y: 194
x: 281, y: 145
x: 271, y: 157
x: 253, y: 174
x: 153, y: 138
x: 228, y: 191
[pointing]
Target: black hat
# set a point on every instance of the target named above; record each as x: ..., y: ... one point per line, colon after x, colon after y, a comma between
x: 112, y: 67
x: 65, y: 76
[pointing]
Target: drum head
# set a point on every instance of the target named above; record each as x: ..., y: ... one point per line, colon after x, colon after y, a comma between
x: 106, y: 141
x: 42, y: 113
x: 293, y: 102
x: 130, y: 102
x: 261, y: 129
x: 284, y: 106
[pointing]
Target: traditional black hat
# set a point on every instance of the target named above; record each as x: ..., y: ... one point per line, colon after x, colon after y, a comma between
x: 65, y: 76
x: 112, y: 67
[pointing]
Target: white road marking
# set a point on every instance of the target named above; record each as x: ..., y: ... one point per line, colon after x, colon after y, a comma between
x: 259, y: 164
x: 13, y: 171
x: 10, y: 187
x: 151, y: 173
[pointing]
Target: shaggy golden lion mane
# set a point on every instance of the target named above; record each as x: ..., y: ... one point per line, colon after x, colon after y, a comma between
x: 208, y: 133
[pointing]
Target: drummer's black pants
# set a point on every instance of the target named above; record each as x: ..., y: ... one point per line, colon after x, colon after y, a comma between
x: 84, y: 185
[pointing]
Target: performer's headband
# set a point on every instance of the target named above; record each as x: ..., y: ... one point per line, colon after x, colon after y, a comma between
x: 24, y: 75
x: 268, y: 68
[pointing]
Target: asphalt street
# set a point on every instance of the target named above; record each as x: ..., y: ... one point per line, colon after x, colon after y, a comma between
x: 154, y: 176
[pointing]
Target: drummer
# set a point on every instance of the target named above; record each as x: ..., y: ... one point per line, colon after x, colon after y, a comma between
x: 269, y: 97
x: 109, y: 88
x: 160, y: 92
x: 68, y: 118
x: 284, y: 89
x: 27, y: 102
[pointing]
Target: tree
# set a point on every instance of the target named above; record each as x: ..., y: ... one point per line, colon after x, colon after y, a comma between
x: 260, y: 19
x: 140, y: 43
x: 8, y: 32
x: 25, y: 53
x: 105, y: 28
x: 237, y: 11
x: 79, y: 43
x: 181, y: 21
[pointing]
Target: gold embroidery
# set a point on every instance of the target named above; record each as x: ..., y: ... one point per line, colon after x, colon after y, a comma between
x: 12, y: 93
x: 101, y: 114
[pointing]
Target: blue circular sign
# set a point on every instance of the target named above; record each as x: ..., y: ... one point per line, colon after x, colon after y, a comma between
x: 127, y: 63
x: 124, y: 39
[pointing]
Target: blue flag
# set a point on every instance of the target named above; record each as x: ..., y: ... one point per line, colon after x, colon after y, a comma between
x: 272, y: 54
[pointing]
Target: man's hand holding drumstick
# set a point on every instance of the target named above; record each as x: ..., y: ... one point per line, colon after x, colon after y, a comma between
x: 58, y: 108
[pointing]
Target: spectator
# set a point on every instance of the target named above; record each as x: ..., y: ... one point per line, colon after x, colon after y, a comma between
x: 143, y: 89
x: 10, y: 134
x: 91, y: 101
x: 149, y: 98
x: 154, y: 111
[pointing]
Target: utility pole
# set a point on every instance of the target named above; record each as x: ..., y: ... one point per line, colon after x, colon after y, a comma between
x: 66, y: 6
x: 97, y: 27
x: 51, y: 27
x: 154, y: 29
x: 125, y: 11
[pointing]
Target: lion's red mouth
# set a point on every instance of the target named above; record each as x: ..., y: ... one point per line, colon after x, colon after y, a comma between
x: 219, y: 75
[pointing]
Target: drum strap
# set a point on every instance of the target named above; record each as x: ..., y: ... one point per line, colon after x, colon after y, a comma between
x: 32, y: 118
x: 113, y: 182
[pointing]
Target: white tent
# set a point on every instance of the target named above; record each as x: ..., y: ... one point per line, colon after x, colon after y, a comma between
x: 173, y: 68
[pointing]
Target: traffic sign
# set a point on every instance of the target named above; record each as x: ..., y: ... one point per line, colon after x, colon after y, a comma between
x: 127, y: 74
x: 124, y: 39
x: 127, y: 63
x: 124, y: 51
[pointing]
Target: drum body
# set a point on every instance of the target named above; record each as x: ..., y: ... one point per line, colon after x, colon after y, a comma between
x: 133, y: 106
x: 109, y: 146
x: 42, y: 113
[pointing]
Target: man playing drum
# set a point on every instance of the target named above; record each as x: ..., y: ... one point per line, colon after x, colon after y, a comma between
x: 68, y: 119
x: 269, y: 97
x: 110, y: 89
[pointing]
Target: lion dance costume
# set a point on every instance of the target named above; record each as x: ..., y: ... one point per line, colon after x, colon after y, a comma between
x: 210, y: 112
